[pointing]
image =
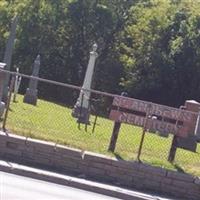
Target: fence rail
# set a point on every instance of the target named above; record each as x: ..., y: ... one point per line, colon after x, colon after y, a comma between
x: 51, y: 119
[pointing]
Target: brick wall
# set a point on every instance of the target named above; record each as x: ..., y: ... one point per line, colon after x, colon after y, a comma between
x: 103, y: 168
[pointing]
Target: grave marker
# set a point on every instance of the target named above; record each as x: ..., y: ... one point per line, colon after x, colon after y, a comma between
x: 81, y: 109
x: 32, y: 92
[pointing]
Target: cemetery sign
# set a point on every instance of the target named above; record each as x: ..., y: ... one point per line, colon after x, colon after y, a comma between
x: 155, y: 117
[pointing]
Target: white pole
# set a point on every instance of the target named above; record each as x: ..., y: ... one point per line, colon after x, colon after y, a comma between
x: 197, y: 128
x: 88, y: 77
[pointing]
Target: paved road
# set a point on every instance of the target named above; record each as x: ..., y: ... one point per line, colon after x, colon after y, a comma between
x: 13, y: 187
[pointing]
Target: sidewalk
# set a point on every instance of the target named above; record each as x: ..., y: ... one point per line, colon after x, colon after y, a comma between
x: 79, y: 183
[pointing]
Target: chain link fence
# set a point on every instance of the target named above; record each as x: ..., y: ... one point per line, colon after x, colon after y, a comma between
x: 51, y: 120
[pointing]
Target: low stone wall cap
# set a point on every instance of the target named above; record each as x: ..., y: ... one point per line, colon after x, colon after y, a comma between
x: 2, y: 65
x: 192, y: 101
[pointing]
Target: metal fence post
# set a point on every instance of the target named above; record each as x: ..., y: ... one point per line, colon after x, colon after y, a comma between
x: 80, y: 112
x: 172, y: 152
x: 114, y: 137
x: 8, y: 102
x: 143, y: 133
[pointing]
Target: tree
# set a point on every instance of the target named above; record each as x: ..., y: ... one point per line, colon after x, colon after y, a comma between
x: 159, y: 52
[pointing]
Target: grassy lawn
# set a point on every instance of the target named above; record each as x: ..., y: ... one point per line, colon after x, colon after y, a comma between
x: 52, y: 122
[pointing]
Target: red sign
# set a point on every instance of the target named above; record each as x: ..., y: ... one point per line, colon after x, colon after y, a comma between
x: 159, y: 118
x: 155, y: 109
x: 151, y: 124
x: 128, y: 118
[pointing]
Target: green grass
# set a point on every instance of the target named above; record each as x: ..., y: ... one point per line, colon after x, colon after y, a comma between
x: 52, y: 122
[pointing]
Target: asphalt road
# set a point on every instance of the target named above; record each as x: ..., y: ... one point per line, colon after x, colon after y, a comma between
x: 13, y: 187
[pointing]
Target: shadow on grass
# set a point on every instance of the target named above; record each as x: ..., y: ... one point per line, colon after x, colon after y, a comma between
x: 178, y: 168
x: 118, y: 156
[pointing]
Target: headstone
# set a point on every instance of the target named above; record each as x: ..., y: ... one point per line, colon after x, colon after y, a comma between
x: 189, y: 143
x: 81, y: 109
x: 8, y: 56
x: 32, y: 92
x: 2, y: 79
x: 17, y: 84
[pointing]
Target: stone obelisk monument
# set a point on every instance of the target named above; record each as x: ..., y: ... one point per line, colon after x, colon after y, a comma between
x: 81, y: 109
x: 32, y: 92
x: 8, y: 56
x: 2, y: 79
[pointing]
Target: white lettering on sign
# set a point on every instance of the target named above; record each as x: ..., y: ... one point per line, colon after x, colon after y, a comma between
x: 155, y: 109
x: 128, y: 118
x: 166, y: 117
x: 162, y: 127
x: 152, y: 124
x: 131, y: 104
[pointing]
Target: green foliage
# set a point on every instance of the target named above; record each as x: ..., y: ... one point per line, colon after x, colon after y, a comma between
x: 150, y: 48
x: 63, y: 32
x: 160, y: 51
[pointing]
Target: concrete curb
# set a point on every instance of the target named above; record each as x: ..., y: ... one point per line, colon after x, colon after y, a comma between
x: 79, y: 183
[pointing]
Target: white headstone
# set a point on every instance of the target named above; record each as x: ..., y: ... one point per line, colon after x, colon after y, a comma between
x: 81, y: 108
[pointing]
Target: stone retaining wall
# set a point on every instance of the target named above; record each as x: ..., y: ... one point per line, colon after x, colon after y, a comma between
x: 125, y: 173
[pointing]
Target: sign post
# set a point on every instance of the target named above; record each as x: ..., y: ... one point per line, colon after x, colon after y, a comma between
x: 144, y: 132
x: 172, y: 152
x: 115, y: 133
x: 114, y: 136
